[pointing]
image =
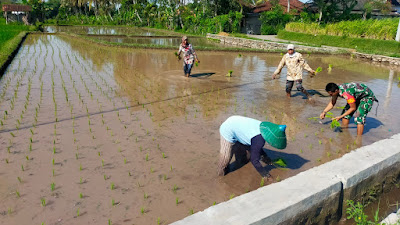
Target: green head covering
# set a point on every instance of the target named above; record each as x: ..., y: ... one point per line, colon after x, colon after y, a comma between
x: 274, y: 134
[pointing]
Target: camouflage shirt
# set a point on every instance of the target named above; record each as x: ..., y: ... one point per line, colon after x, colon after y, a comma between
x: 355, y: 91
x: 295, y: 64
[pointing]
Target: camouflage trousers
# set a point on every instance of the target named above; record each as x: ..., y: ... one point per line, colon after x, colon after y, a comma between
x: 363, y: 105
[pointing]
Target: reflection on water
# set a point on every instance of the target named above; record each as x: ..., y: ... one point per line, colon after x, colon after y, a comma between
x: 166, y: 41
x: 104, y: 30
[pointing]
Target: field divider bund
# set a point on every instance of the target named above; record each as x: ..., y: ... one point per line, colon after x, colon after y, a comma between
x: 315, y: 196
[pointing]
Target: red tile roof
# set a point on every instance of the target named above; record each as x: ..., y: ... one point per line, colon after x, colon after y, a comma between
x: 294, y: 4
x: 17, y: 8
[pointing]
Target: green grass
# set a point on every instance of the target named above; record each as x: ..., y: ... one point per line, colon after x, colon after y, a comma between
x: 362, y: 45
x: 10, y: 37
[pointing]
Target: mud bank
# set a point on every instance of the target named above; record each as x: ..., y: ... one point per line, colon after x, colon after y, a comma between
x: 316, y: 196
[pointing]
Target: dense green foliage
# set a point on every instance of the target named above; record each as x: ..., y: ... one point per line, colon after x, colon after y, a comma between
x: 371, y: 46
x: 274, y: 20
x: 384, y: 29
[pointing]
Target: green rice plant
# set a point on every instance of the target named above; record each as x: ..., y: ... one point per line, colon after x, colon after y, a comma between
x: 80, y: 167
x: 43, y: 201
x: 145, y: 196
x: 129, y: 173
x: 319, y: 160
x: 328, y: 154
x: 163, y: 155
x: 9, y: 211
x: 262, y: 182
x: 124, y: 160
x: 280, y: 162
x: 77, y: 213
x: 305, y: 135
x: 320, y: 142
x: 102, y: 162
x: 105, y: 177
x: 30, y: 147
x: 165, y: 177
x: 158, y: 221
x: 112, y: 186
x: 335, y: 124
x: 347, y: 147
x: 7, y: 161
x: 54, y: 150
x: 53, y: 173
x: 177, y: 200
x: 310, y: 146
x: 80, y: 195
x: 27, y: 158
x: 229, y: 74
x: 12, y: 134
x: 277, y: 178
x: 191, y: 212
x: 171, y: 168
x: 22, y: 168
x: 142, y: 210
x: 53, y: 161
x: 52, y: 186
x: 109, y: 222
x: 99, y: 153
x: 112, y: 202
x: 147, y: 157
x: 17, y: 193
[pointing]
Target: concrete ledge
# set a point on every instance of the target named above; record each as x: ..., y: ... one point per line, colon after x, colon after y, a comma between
x: 316, y: 196
x: 275, y: 203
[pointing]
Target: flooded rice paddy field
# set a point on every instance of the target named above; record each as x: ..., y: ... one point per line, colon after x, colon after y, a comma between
x: 92, y: 133
x: 106, y: 30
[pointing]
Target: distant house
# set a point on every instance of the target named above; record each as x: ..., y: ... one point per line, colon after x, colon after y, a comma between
x: 16, y: 13
x: 251, y: 23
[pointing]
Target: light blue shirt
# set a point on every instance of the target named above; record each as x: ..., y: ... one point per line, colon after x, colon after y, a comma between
x: 241, y: 129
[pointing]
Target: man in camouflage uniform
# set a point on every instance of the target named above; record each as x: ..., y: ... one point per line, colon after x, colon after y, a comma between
x: 295, y: 64
x: 359, y: 97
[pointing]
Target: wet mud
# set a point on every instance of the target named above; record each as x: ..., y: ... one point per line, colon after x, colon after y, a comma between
x: 124, y: 136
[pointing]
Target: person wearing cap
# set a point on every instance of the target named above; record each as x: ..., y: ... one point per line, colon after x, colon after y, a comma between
x: 189, y: 55
x: 295, y: 63
x: 253, y: 133
x: 358, y: 96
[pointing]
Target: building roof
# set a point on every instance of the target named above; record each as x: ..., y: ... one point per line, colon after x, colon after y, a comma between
x: 16, y: 8
x: 266, y: 6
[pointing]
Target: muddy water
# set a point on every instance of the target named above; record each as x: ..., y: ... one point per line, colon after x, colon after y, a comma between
x: 125, y: 126
x: 166, y: 41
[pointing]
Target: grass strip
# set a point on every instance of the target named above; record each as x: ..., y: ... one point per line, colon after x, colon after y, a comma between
x: 9, y: 48
x: 362, y: 45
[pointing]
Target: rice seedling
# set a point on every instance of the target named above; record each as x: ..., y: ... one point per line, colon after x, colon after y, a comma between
x: 81, y: 180
x: 262, y: 182
x: 27, y: 158
x: 52, y: 186
x: 279, y: 162
x: 102, y: 162
x: 319, y: 160
x: 320, y: 142
x: 174, y: 188
x: 17, y: 193
x: 53, y: 161
x: 191, y: 212
x: 105, y: 177
x: 142, y: 210
x: 124, y: 160
x: 318, y: 70
x: 80, y: 195
x: 112, y: 186
x: 129, y: 173
x: 145, y: 196
x: 171, y: 168
x: 310, y: 146
x: 277, y: 178
x: 328, y: 154
x: 335, y: 124
x: 43, y: 202
x: 158, y: 221
x: 229, y: 74
x: 163, y: 155
x: 22, y: 168
x: 6, y: 161
x: 80, y: 167
x: 77, y: 213
x: 147, y: 157
x: 9, y: 211
x: 12, y: 134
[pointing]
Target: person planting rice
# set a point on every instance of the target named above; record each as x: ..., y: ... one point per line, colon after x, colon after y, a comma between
x: 253, y: 133
x: 295, y: 63
x: 189, y: 55
x: 359, y: 97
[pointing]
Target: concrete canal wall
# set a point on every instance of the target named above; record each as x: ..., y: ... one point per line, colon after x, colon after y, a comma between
x: 276, y: 46
x: 315, y: 196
